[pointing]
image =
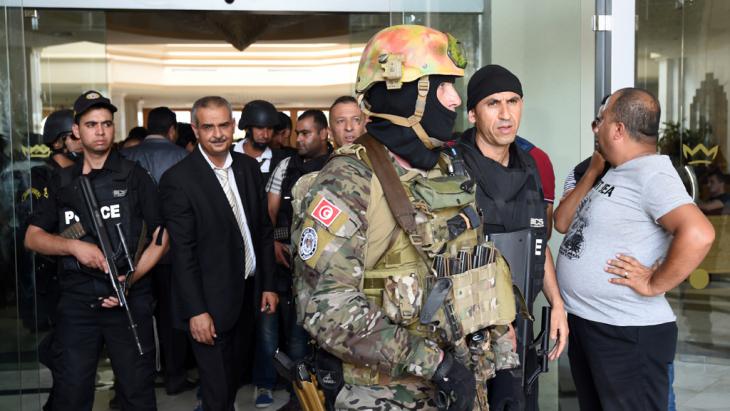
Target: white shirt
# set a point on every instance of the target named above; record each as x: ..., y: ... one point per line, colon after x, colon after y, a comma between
x: 264, y: 159
x: 232, y: 183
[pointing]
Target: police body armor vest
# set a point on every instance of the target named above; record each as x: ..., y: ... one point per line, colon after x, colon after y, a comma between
x: 115, y: 199
x: 402, y: 278
x: 524, y: 208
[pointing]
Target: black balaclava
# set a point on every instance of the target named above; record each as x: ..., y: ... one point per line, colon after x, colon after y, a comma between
x: 438, y: 121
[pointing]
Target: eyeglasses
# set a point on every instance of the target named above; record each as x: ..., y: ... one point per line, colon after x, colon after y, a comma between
x: 72, y: 136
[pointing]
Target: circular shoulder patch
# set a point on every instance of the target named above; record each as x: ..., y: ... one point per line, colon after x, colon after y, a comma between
x: 307, y: 243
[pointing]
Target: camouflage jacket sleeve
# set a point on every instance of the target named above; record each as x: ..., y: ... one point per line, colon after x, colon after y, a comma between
x: 330, y: 254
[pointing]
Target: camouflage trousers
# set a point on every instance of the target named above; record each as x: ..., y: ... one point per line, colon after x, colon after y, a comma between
x: 504, y: 357
x: 393, y: 397
x: 408, y: 396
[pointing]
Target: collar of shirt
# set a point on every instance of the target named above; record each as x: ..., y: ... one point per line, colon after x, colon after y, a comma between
x: 154, y: 138
x: 266, y: 155
x: 226, y: 164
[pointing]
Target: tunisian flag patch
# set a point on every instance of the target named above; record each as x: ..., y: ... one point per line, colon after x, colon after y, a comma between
x: 325, y: 212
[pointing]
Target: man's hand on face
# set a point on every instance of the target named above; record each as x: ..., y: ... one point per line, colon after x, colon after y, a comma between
x: 597, y: 163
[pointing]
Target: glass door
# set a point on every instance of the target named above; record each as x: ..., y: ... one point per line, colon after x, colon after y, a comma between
x: 682, y: 56
x: 39, y: 48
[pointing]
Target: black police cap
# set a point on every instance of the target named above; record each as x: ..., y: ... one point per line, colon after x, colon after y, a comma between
x: 91, y: 99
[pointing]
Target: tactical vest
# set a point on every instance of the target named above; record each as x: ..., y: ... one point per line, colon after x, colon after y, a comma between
x: 116, y: 201
x: 525, y: 207
x: 405, y: 274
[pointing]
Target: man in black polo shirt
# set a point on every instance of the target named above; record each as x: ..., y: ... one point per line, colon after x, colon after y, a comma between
x: 88, y: 315
x: 510, y: 196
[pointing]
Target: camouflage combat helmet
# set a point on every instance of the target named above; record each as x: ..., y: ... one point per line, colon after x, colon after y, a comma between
x: 404, y: 53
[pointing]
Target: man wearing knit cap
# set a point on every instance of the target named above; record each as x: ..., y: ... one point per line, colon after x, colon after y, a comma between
x: 511, y: 198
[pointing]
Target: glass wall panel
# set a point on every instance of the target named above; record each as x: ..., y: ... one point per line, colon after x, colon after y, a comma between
x: 33, y: 83
x: 18, y: 338
x: 683, y: 55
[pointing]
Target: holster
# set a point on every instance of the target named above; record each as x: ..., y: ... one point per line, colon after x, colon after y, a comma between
x: 328, y: 369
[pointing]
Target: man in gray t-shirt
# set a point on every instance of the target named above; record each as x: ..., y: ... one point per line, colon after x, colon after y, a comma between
x: 635, y: 235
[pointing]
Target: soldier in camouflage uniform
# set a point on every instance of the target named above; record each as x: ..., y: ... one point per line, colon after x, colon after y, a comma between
x: 361, y: 280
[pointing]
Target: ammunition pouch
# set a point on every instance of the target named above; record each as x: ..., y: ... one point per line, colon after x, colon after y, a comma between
x: 398, y: 291
x: 448, y: 214
x: 479, y: 298
x: 482, y: 297
x: 441, y: 192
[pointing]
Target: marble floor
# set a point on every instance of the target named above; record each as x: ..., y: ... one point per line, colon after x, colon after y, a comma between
x: 699, y: 386
x: 702, y: 364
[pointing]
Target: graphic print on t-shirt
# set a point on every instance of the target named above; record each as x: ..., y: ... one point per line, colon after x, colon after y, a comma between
x: 574, y: 243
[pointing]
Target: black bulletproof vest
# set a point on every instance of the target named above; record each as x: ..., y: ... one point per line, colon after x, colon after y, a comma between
x: 510, y: 198
x: 116, y: 198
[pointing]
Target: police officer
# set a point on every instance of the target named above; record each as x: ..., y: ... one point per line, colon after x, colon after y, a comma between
x: 56, y: 130
x: 258, y: 119
x: 510, y: 195
x: 384, y: 243
x: 88, y: 314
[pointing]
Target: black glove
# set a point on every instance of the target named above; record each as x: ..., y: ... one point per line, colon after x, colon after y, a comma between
x: 455, y: 385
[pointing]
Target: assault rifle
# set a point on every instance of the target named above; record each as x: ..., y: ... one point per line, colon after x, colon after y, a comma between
x: 92, y: 206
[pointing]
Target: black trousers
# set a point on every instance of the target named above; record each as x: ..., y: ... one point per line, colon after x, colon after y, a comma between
x: 218, y: 383
x: 244, y: 334
x: 82, y: 330
x: 174, y: 342
x: 621, y: 368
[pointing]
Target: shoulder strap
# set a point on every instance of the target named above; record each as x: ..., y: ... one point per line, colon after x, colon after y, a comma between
x: 395, y: 194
